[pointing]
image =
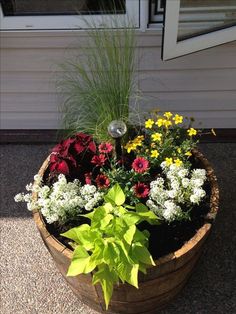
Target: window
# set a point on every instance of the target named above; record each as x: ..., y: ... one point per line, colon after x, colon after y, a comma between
x: 63, y: 14
x: 192, y: 25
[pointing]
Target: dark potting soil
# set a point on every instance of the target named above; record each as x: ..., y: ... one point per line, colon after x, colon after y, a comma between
x: 164, y: 238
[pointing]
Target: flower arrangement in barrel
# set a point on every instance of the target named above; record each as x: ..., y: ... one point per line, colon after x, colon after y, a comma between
x: 103, y: 195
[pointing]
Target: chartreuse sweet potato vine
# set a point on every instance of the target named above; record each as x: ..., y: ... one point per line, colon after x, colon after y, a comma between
x: 112, y: 246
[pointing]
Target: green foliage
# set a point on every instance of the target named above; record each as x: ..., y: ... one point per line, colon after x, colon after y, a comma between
x: 98, y: 86
x: 112, y: 246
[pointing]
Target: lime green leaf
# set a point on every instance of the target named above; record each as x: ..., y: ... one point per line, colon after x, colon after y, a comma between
x: 140, y: 207
x: 108, y: 207
x: 142, y: 268
x: 79, y: 261
x: 129, y: 273
x: 129, y: 206
x: 128, y: 236
x: 88, y: 237
x: 141, y: 236
x: 99, y: 213
x: 73, y: 233
x: 89, y: 215
x: 131, y: 218
x: 110, y: 254
x: 90, y: 266
x: 118, y: 227
x: 115, y: 195
x: 149, y: 216
x: 97, y: 254
x: 107, y: 279
x: 142, y: 254
x: 105, y: 221
x: 134, y: 276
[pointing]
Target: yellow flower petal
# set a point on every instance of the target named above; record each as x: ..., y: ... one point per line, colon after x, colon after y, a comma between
x: 169, y: 161
x: 149, y: 123
x: 156, y: 137
x: 168, y: 115
x: 154, y: 153
x: 178, y: 119
x: 178, y: 162
x: 191, y: 132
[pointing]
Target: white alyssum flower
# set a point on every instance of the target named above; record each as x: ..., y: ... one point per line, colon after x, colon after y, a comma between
x: 63, y: 200
x: 170, y: 210
x: 181, y: 187
x: 18, y: 197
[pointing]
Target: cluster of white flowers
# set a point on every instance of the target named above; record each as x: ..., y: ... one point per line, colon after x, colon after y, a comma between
x: 63, y: 200
x: 181, y: 187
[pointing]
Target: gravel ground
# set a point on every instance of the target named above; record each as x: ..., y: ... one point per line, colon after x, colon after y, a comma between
x: 30, y: 283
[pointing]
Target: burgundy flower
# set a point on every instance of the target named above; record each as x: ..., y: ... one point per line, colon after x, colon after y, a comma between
x: 58, y: 164
x: 88, y: 177
x: 102, y: 181
x: 105, y: 148
x: 84, y: 142
x: 140, y: 165
x: 141, y: 190
x: 99, y: 160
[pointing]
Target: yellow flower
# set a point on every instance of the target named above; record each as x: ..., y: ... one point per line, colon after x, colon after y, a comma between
x: 130, y: 146
x: 168, y: 115
x: 137, y: 142
x: 167, y: 123
x: 159, y: 122
x: 178, y: 119
x: 178, y: 162
x: 156, y: 137
x: 154, y: 153
x: 149, y: 123
x: 169, y: 161
x: 140, y: 137
x: 192, y: 132
x: 179, y: 150
x: 188, y: 154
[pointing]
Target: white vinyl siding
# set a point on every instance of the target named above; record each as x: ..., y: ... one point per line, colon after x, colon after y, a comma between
x: 200, y: 84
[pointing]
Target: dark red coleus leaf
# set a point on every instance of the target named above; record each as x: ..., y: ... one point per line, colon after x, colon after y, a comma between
x: 84, y: 142
x: 58, y: 165
x: 63, y: 147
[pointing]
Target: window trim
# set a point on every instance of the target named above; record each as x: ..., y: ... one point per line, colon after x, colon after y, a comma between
x: 172, y: 48
x: 68, y: 22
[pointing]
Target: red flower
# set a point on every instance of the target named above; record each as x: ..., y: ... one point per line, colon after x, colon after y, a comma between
x: 88, y: 177
x: 84, y: 142
x: 141, y: 190
x: 105, y: 148
x: 102, y: 181
x: 99, y: 160
x: 140, y: 164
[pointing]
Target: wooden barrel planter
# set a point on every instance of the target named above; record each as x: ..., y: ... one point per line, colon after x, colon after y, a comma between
x: 161, y: 283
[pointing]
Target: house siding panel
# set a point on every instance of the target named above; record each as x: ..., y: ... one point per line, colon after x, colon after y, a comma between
x: 200, y: 84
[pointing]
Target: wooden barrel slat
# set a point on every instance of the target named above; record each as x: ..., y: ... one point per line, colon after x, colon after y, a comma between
x: 150, y: 305
x: 162, y: 282
x: 152, y: 288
